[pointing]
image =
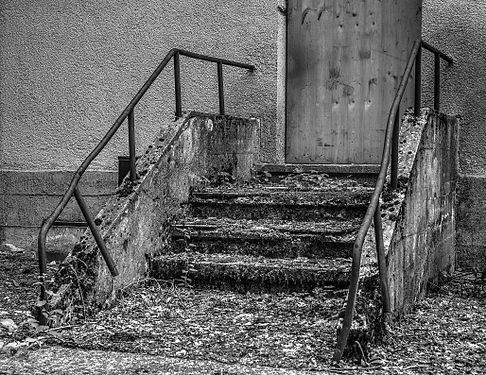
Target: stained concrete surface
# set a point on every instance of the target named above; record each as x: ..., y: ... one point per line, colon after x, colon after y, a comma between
x: 135, y: 221
x: 423, y: 241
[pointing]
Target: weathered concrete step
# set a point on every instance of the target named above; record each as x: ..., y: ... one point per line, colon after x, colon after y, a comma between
x: 247, y: 273
x: 240, y: 208
x: 332, y: 194
x: 272, y: 239
x: 281, y: 202
x: 330, y: 169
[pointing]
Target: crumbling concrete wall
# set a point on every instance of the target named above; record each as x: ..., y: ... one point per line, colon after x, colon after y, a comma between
x: 423, y: 240
x: 136, y: 220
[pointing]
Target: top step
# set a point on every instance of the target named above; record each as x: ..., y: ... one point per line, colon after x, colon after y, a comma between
x: 331, y: 169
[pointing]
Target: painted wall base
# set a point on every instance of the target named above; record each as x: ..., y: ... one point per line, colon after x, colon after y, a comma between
x: 28, y: 197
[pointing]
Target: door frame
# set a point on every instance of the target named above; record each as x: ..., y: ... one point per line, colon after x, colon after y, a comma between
x: 281, y: 120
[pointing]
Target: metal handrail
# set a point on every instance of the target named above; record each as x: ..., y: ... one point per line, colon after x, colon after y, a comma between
x: 128, y: 112
x: 390, y: 151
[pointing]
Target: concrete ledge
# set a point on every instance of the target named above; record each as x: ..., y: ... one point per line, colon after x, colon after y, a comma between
x: 28, y: 197
x: 55, y: 183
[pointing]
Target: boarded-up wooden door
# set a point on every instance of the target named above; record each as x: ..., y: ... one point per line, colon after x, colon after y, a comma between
x: 344, y: 63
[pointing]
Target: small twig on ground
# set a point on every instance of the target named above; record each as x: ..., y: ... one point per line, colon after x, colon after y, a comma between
x: 63, y: 327
x: 416, y: 366
x: 365, y: 360
x: 81, y: 261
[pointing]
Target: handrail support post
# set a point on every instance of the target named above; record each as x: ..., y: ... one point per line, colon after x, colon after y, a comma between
x: 177, y: 85
x: 437, y: 81
x: 96, y: 234
x: 394, y: 150
x: 131, y: 145
x: 220, y: 88
x: 41, y: 318
x: 418, y: 83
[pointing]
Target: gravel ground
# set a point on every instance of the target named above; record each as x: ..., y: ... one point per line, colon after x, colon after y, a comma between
x: 279, y: 330
x: 445, y: 335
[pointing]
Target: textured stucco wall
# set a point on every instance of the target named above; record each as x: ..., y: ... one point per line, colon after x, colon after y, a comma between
x: 68, y: 68
x: 458, y: 28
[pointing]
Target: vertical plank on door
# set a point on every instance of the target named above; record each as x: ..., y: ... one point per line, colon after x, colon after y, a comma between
x: 344, y: 61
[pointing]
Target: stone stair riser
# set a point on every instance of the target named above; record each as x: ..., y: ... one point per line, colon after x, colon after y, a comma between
x: 255, y: 278
x: 275, y: 211
x: 305, y: 246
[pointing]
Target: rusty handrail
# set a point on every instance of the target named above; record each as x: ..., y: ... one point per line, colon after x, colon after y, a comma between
x: 373, y: 211
x: 128, y: 112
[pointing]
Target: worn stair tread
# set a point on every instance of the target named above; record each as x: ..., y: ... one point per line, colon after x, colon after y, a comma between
x: 341, y: 264
x: 330, y: 169
x: 284, y: 195
x: 280, y: 204
x: 252, y: 273
x: 332, y: 229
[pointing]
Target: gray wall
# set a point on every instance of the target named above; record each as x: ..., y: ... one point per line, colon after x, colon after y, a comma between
x: 458, y: 27
x: 68, y: 69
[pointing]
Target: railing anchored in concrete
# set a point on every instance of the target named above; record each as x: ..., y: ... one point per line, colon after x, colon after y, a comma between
x: 390, y: 151
x: 128, y: 113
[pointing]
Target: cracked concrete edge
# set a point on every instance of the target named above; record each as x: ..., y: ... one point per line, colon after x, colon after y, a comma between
x: 418, y: 251
x: 134, y: 221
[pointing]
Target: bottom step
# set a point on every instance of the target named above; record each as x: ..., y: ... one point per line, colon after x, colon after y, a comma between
x: 247, y: 273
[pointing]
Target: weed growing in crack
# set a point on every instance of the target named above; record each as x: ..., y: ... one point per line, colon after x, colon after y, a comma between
x: 185, y: 280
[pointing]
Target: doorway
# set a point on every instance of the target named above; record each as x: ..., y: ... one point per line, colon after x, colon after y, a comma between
x: 344, y: 63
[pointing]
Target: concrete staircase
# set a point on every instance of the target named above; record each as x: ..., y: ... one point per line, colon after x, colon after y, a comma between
x: 285, y: 232
x: 256, y: 272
